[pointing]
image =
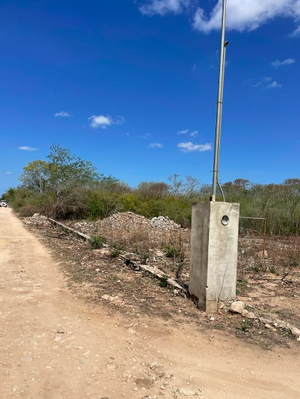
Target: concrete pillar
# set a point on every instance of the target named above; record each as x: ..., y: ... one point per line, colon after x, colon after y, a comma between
x: 214, y: 250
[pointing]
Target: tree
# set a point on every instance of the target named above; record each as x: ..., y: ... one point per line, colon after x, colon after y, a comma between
x: 152, y: 189
x: 68, y: 171
x: 36, y: 176
x: 176, y: 184
x: 192, y: 186
x: 243, y: 183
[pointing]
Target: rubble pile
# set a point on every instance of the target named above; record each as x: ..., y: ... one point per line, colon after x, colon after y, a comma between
x: 89, y: 228
x: 36, y: 220
x: 164, y: 223
x: 125, y: 220
x: 128, y: 221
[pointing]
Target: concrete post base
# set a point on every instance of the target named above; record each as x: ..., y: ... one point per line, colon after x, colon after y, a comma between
x: 214, y: 250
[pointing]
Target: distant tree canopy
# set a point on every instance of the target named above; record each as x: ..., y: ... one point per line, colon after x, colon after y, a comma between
x: 66, y: 186
x: 60, y: 174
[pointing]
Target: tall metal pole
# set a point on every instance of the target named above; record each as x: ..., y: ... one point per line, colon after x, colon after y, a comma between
x: 219, y: 103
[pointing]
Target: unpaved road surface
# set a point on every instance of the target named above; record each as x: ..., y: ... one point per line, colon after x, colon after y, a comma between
x: 54, y: 346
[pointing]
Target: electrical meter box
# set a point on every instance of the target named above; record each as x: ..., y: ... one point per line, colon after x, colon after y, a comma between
x: 214, y: 252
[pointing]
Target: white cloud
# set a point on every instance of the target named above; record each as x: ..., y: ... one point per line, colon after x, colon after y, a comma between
x: 296, y: 32
x: 27, y: 148
x: 277, y: 63
x: 8, y: 173
x: 105, y: 121
x: 156, y: 145
x: 186, y: 131
x: 163, y: 7
x: 265, y: 79
x: 144, y: 136
x: 274, y: 85
x: 62, y: 113
x: 194, y: 67
x: 100, y: 121
x: 191, y: 147
x: 246, y: 14
x: 183, y: 131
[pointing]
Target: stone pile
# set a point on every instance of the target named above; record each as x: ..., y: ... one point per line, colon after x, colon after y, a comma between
x: 125, y: 219
x: 36, y: 219
x: 164, y: 223
x: 128, y: 220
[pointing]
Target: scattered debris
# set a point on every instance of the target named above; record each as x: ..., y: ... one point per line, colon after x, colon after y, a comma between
x: 36, y: 220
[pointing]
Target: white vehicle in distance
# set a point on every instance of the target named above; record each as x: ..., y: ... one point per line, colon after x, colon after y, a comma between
x: 3, y: 204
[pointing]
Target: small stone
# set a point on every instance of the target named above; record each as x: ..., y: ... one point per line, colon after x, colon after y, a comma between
x: 295, y: 331
x: 187, y: 392
x: 237, y: 307
x: 131, y: 331
x: 212, y: 319
x: 251, y: 315
x: 244, y: 313
x: 153, y: 365
x: 26, y: 359
x: 60, y: 330
x: 268, y: 326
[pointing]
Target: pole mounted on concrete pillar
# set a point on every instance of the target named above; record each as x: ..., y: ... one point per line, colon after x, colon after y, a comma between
x: 219, y: 104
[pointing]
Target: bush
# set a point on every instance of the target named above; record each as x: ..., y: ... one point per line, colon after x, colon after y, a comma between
x: 67, y: 187
x: 171, y: 252
x: 163, y: 281
x: 97, y: 242
x: 115, y: 253
x: 27, y: 211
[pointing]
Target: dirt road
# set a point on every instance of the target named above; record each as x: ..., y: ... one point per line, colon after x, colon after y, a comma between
x: 54, y: 346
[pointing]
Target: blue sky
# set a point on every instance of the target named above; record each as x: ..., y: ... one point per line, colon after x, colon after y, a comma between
x: 132, y: 74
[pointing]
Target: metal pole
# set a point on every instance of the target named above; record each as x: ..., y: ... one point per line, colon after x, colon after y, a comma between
x: 219, y: 103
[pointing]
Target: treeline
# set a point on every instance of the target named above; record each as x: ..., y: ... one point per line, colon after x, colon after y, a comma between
x: 65, y: 186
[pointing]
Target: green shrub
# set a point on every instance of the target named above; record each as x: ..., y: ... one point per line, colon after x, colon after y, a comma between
x: 97, y: 242
x: 163, y: 281
x: 171, y: 252
x: 114, y: 253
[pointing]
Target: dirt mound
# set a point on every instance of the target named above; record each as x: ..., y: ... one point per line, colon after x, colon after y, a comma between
x: 129, y: 221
